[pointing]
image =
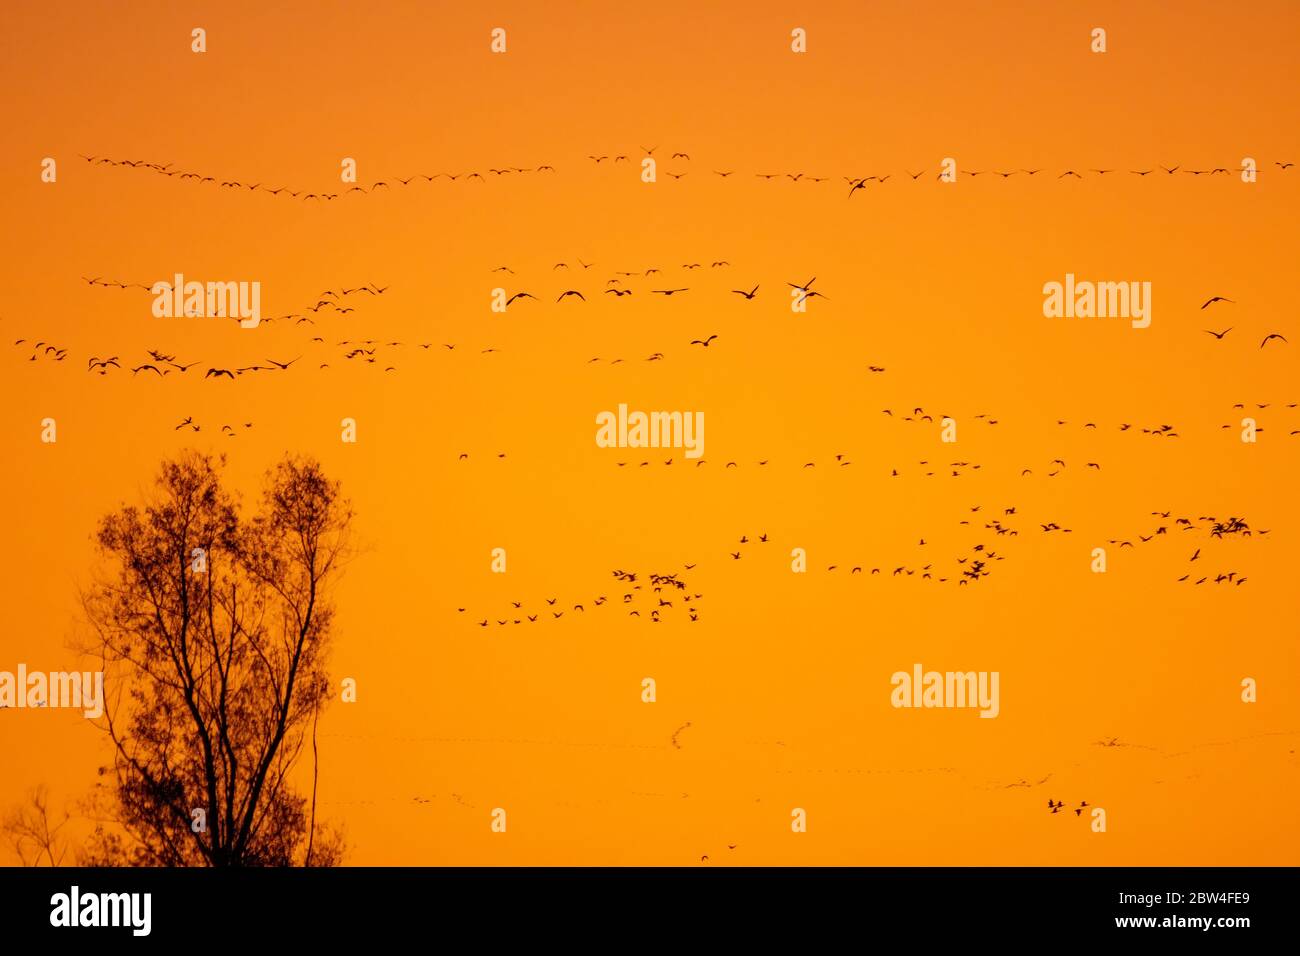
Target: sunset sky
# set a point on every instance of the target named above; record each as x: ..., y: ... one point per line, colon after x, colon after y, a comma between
x: 784, y: 679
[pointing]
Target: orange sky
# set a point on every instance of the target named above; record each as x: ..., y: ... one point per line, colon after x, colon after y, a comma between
x: 784, y: 678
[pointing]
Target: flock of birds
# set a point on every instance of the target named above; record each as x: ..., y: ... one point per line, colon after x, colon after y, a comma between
x: 855, y: 183
x: 1058, y: 806
x: 161, y: 363
x: 348, y: 189
x: 658, y: 595
x: 972, y: 564
x: 928, y: 468
x: 374, y: 352
x: 799, y: 293
x: 229, y: 431
x: 976, y: 560
x: 378, y: 352
x: 1219, y: 336
x: 1208, y: 526
x: 669, y: 593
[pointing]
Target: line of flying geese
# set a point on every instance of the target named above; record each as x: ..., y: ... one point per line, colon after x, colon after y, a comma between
x: 855, y: 183
x: 661, y: 594
x: 976, y: 561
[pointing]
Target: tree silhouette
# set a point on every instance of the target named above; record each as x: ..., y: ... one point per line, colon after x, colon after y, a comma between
x: 33, y: 832
x: 214, y: 629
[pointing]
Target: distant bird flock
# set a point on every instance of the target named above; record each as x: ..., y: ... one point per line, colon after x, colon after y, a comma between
x: 855, y: 183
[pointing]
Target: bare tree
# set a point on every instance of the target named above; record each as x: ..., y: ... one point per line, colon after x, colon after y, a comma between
x: 34, y: 836
x: 214, y: 630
